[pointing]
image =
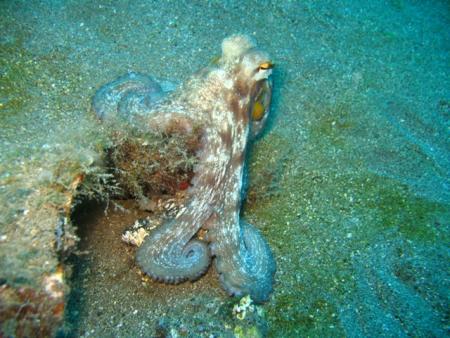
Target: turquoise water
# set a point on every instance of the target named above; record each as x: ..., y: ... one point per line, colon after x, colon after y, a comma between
x: 350, y: 183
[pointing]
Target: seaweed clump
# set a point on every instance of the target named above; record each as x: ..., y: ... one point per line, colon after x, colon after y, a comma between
x: 151, y: 164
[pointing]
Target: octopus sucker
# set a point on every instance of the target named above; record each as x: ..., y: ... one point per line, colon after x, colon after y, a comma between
x: 227, y: 103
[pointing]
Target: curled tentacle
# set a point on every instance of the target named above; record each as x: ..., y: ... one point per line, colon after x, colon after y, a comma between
x: 170, y: 257
x: 129, y: 95
x: 247, y: 267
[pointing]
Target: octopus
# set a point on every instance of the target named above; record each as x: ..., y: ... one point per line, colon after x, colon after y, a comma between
x: 229, y: 101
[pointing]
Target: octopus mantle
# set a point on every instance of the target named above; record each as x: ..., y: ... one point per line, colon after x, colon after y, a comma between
x: 230, y: 101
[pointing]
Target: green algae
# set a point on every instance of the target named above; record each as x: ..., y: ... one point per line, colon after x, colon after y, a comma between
x: 327, y: 216
x: 17, y: 67
x: 26, y: 75
x: 251, y: 332
x: 332, y: 123
x: 415, y: 217
x: 266, y: 172
x: 297, y: 317
x: 397, y: 4
x: 385, y: 202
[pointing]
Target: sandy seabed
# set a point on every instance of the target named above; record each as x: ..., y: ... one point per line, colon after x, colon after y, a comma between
x: 350, y: 183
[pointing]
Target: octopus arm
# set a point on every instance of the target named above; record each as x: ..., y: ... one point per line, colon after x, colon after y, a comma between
x: 171, y: 254
x: 246, y: 266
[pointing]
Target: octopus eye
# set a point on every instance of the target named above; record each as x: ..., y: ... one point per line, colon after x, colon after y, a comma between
x: 261, y: 101
x: 266, y: 65
x: 258, y: 111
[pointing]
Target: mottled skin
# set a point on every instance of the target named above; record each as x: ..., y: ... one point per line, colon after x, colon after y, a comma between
x: 220, y: 99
